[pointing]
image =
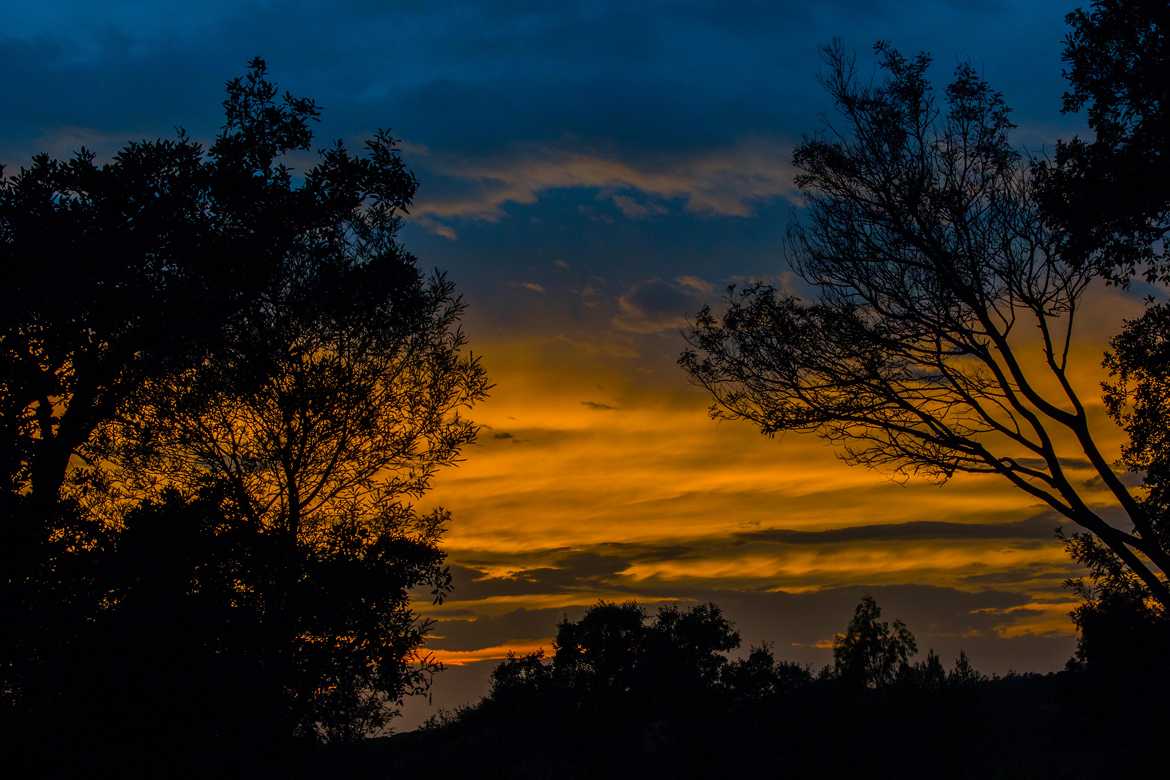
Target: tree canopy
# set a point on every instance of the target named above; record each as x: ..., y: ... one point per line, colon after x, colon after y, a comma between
x: 1109, y: 193
x: 225, y: 384
x: 872, y: 653
x: 931, y: 264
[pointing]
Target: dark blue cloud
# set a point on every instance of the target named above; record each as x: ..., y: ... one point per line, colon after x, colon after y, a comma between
x: 468, y: 74
x: 652, y: 86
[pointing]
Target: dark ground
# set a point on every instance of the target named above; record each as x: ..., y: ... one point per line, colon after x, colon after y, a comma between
x: 1052, y: 726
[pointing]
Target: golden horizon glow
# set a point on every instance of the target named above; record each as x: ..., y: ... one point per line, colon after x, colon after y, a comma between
x: 599, y: 475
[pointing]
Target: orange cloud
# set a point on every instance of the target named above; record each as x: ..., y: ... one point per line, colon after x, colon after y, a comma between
x: 494, y: 653
x: 596, y: 445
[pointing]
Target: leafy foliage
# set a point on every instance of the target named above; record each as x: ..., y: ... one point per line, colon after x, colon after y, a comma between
x: 1109, y: 193
x: 1110, y: 198
x: 122, y: 272
x: 872, y: 653
x: 225, y: 383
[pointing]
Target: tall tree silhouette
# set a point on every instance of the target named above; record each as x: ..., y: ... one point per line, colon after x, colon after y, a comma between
x: 872, y: 653
x: 120, y: 272
x: 1110, y: 193
x: 251, y: 352
x: 929, y: 256
x: 1110, y: 196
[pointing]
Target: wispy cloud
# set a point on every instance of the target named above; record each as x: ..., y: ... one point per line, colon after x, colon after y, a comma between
x: 635, y: 209
x: 726, y: 182
x: 657, y: 305
x: 496, y: 653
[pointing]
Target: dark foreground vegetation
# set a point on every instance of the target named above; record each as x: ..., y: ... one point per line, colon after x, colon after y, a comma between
x: 224, y: 385
x: 623, y: 696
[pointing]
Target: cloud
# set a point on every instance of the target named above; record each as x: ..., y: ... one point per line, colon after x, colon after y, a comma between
x: 64, y: 142
x: 947, y: 554
x: 591, y: 295
x: 535, y: 287
x: 480, y: 654
x: 1022, y: 576
x: 637, y: 209
x: 436, y: 227
x: 598, y: 406
x: 661, y: 470
x: 527, y: 626
x: 655, y: 305
x: 700, y: 286
x: 560, y: 264
x: 1040, y: 527
x: 1071, y: 464
x: 616, y: 346
x: 724, y: 182
x: 1131, y: 479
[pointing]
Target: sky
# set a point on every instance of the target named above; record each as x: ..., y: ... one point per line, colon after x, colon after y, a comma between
x: 591, y: 174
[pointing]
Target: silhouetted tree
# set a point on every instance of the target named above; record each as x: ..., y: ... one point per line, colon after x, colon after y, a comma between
x: 322, y: 419
x: 1110, y: 197
x: 963, y: 675
x: 1122, y: 631
x: 121, y: 272
x: 520, y: 677
x: 1122, y: 628
x: 1117, y: 611
x: 613, y: 657
x: 928, y: 255
x: 872, y: 653
x: 1111, y: 194
x: 254, y: 355
x: 114, y: 274
x: 1137, y: 397
x: 685, y: 650
x: 601, y: 653
x: 171, y: 676
x: 928, y: 674
x: 117, y: 273
x: 760, y: 677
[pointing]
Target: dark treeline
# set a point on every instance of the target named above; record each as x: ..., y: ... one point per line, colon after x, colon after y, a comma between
x: 624, y: 695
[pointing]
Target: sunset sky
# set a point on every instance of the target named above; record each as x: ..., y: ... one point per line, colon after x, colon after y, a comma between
x: 590, y: 176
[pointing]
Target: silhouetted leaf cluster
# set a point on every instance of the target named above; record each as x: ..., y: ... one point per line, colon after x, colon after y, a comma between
x: 614, y: 658
x: 1111, y: 193
x: 223, y: 385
